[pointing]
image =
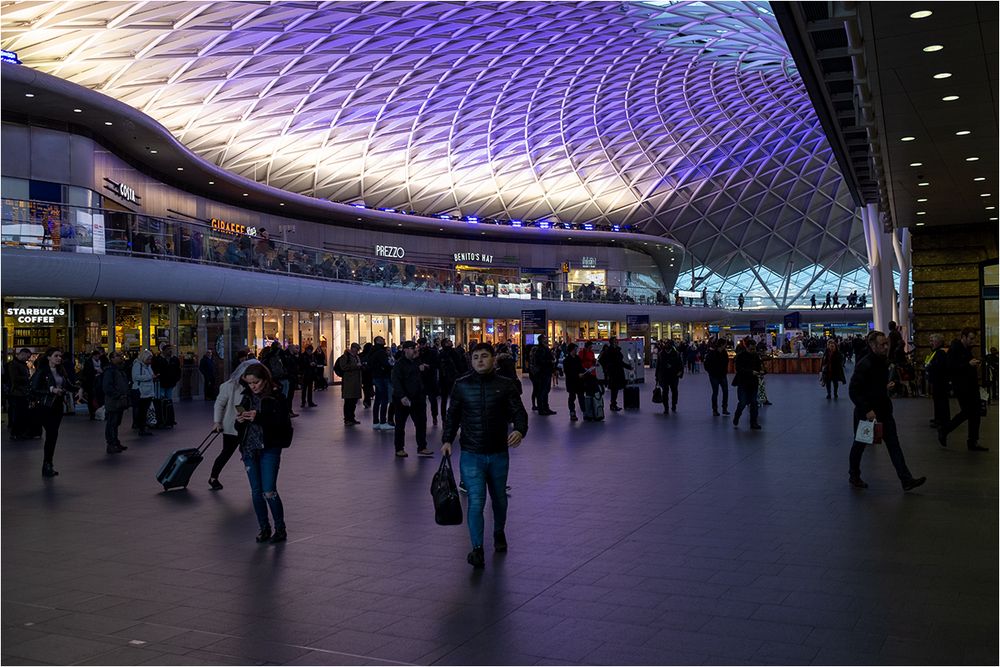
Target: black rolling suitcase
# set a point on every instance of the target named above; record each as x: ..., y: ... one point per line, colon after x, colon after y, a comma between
x: 593, y: 407
x: 630, y: 397
x: 164, y: 408
x: 175, y: 473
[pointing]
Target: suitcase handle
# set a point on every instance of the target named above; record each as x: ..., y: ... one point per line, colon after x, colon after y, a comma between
x: 207, y: 442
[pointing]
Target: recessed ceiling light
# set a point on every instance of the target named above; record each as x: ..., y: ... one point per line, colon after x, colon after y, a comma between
x: 985, y: 194
x: 949, y: 98
x: 211, y: 182
x: 962, y: 133
x: 971, y: 159
x: 921, y: 212
x: 990, y: 208
x: 923, y: 185
x: 922, y: 14
x: 992, y: 218
x: 29, y: 95
x: 907, y: 138
x: 920, y: 224
x: 281, y: 203
x: 77, y: 110
x: 942, y: 75
x: 246, y: 194
x: 153, y: 151
x: 916, y: 164
x: 180, y: 168
x: 932, y: 48
x: 979, y: 178
x: 922, y: 199
x: 108, y: 122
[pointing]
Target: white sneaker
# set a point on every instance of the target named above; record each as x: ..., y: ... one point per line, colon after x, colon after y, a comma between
x: 387, y: 427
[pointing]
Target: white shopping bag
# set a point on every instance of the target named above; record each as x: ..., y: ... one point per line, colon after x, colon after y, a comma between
x: 869, y: 432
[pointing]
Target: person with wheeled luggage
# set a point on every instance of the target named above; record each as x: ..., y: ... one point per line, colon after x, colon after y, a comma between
x: 143, y: 384
x: 224, y: 420
x: 49, y: 385
x: 669, y: 370
x: 265, y: 428
x: 573, y: 369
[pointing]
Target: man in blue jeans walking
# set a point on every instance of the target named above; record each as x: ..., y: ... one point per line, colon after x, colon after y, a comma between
x: 482, y: 405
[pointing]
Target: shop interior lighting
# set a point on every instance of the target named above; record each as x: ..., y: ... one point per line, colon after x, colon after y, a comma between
x: 922, y: 14
x: 931, y: 48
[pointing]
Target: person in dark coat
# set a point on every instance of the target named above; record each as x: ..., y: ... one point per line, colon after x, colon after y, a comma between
x: 897, y: 346
x: 307, y: 375
x: 348, y: 367
x: 17, y: 387
x: 717, y: 366
x: 431, y: 363
x: 669, y: 370
x: 747, y: 381
x: 963, y: 370
x: 90, y: 380
x: 50, y: 383
x: 832, y: 371
x: 869, y: 390
x: 367, y: 385
x: 409, y: 400
x: 613, y: 363
x: 451, y: 367
x: 206, y: 366
x: 540, y: 370
x: 936, y: 369
x: 115, y: 390
x: 573, y: 370
x: 483, y: 405
x: 380, y: 368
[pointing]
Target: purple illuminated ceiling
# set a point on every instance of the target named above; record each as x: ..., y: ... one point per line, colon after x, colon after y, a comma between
x: 685, y: 119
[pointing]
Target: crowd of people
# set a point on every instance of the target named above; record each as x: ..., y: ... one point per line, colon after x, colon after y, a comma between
x: 476, y: 394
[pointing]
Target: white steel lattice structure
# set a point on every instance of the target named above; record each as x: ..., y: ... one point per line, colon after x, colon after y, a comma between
x: 683, y: 119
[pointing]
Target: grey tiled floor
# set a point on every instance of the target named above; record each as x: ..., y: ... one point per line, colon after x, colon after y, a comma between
x: 642, y: 540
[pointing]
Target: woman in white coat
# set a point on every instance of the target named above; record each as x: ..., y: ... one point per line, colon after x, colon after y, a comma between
x: 230, y: 395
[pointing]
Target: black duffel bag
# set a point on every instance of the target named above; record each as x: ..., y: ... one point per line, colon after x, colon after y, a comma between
x: 447, y: 506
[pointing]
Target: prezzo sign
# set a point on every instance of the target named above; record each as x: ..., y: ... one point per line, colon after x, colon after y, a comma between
x: 36, y: 315
x: 473, y: 257
x: 390, y: 251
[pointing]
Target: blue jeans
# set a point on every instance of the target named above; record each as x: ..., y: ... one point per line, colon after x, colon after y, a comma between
x: 479, y: 473
x: 262, y: 471
x: 165, y: 392
x: 381, y: 404
x: 747, y: 398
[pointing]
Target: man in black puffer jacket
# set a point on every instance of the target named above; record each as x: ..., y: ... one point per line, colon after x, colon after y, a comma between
x: 869, y: 390
x: 482, y: 405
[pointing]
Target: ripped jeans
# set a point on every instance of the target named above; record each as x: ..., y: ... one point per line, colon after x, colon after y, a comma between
x: 262, y: 471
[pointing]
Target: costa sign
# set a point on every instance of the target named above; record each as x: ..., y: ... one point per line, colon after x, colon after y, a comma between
x: 390, y: 251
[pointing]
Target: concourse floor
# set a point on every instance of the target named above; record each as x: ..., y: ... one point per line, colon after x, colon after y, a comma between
x: 645, y: 539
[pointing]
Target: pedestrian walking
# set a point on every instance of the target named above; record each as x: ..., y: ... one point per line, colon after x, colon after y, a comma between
x: 963, y: 370
x: 409, y: 400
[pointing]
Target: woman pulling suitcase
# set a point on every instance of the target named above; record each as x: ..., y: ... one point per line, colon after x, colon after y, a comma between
x: 230, y: 395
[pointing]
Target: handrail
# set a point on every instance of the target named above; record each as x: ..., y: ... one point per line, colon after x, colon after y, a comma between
x: 60, y: 227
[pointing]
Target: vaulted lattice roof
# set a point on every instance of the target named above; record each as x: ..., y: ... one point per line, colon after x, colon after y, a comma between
x: 685, y: 119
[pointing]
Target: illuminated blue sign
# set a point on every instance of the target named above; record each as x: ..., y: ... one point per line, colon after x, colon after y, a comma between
x: 9, y: 57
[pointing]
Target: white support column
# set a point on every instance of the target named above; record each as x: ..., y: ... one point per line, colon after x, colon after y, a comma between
x: 901, y: 245
x: 879, y: 266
